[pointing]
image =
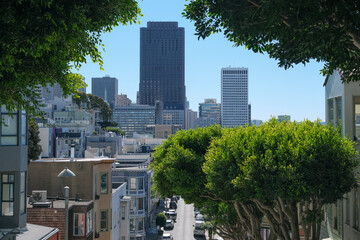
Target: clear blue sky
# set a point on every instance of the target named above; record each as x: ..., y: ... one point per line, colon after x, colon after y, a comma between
x: 273, y: 91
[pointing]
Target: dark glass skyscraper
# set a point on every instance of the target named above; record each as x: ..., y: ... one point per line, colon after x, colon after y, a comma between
x: 162, y: 65
x: 106, y: 88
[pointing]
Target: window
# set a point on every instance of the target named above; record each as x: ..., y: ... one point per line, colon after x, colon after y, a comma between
x: 140, y: 183
x: 140, y: 204
x: 9, y: 130
x: 132, y: 224
x: 338, y: 103
x: 23, y: 129
x: 104, y: 183
x: 140, y: 224
x: 357, y: 118
x: 22, y: 192
x: 7, y: 194
x: 132, y: 183
x: 79, y: 224
x: 123, y: 213
x: 132, y: 203
x: 89, y: 221
x: 103, y: 220
x: 331, y: 111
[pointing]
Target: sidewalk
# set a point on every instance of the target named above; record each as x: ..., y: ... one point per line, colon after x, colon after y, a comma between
x: 152, y: 233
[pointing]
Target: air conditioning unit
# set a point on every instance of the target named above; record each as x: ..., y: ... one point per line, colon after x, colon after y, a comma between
x: 39, y: 195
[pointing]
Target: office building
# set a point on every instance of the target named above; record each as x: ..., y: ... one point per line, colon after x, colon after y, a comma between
x: 234, y: 97
x: 283, y: 118
x: 191, y: 119
x: 106, y: 88
x: 122, y: 100
x: 162, y: 65
x: 134, y: 118
x: 174, y: 117
x: 209, y: 112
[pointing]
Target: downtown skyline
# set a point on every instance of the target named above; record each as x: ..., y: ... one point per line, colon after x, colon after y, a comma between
x: 273, y: 91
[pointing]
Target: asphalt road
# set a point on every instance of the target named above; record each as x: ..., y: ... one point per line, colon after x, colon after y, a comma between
x: 184, y: 225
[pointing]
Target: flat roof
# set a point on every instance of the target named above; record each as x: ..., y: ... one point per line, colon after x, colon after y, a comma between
x: 98, y: 159
x: 34, y: 231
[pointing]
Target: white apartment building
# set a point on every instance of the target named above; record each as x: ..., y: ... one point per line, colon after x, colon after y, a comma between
x: 234, y: 97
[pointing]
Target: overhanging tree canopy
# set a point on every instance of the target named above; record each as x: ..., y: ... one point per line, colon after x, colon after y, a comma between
x: 291, y: 32
x: 41, y: 41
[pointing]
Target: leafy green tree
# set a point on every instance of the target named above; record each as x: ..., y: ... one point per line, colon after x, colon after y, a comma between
x: 34, y: 148
x: 285, y: 171
x: 42, y: 41
x: 161, y: 220
x: 90, y: 101
x: 178, y: 164
x: 288, y: 169
x: 291, y: 32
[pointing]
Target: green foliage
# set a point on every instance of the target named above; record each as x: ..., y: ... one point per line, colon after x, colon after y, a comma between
x: 107, y: 124
x: 161, y: 220
x: 264, y: 170
x: 291, y: 32
x: 90, y: 101
x: 34, y: 149
x: 178, y: 163
x: 42, y: 41
x: 118, y: 131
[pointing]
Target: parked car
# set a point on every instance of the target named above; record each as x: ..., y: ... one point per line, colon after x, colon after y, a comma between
x: 169, y: 224
x: 167, y: 236
x: 199, y: 229
x: 171, y: 214
x: 199, y: 217
x: 174, y: 198
x: 173, y: 205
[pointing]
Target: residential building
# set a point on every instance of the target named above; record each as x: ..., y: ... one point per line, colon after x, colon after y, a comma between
x: 106, y: 88
x: 342, y: 109
x: 64, y: 142
x: 13, y: 172
x: 162, y: 65
x: 121, y: 212
x: 134, y: 118
x: 109, y: 144
x: 75, y: 120
x: 138, y: 179
x: 91, y: 183
x: 234, y: 97
x: 140, y: 144
x: 51, y: 213
x: 13, y: 181
x: 210, y: 112
x: 47, y: 141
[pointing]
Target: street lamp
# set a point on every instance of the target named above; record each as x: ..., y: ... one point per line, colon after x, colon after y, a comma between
x: 65, y: 174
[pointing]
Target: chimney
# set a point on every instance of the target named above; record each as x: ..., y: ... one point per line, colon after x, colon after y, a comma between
x: 72, y: 152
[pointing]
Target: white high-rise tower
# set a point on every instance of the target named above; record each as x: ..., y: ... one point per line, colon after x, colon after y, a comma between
x: 234, y: 97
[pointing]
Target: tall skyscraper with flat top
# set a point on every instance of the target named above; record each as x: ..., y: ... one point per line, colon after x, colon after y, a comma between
x: 106, y: 88
x: 162, y: 65
x: 234, y: 97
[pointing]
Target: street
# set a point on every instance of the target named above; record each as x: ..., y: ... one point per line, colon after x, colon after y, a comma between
x: 184, y: 229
